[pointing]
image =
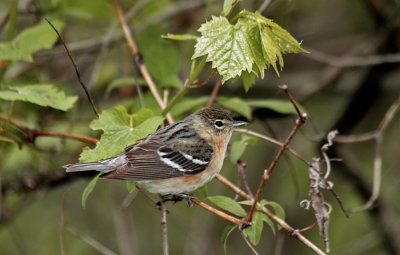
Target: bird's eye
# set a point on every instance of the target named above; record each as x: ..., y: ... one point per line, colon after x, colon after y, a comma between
x: 219, y: 124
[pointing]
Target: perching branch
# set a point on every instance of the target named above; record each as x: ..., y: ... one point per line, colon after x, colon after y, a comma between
x: 216, y: 211
x: 164, y: 227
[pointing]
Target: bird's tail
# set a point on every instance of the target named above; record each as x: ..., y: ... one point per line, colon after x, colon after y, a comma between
x: 107, y: 165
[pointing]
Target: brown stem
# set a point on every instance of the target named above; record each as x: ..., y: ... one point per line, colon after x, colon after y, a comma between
x: 216, y: 211
x: 164, y: 226
x: 267, y: 172
x: 31, y: 134
x: 270, y: 214
x: 138, y: 58
x: 214, y: 92
x: 242, y: 168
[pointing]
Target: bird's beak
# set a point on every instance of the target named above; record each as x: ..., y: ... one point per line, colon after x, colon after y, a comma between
x: 237, y: 123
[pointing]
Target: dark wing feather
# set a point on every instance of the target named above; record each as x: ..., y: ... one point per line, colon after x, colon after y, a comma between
x: 152, y: 160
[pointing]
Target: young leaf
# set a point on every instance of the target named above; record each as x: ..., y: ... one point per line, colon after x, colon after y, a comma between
x: 235, y: 104
x: 120, y: 130
x: 255, y: 230
x: 253, y: 43
x: 228, y: 204
x: 227, y: 232
x: 238, y: 147
x: 29, y: 41
x: 270, y: 223
x: 228, y: 5
x: 226, y: 46
x: 40, y: 94
x: 279, y: 211
x: 130, y: 186
x: 201, y: 192
x: 89, y: 188
x: 249, y: 79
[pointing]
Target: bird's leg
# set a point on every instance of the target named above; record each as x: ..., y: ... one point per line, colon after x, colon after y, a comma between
x: 164, y: 199
x: 188, y: 198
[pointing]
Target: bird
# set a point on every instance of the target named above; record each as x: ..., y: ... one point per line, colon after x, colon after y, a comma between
x: 175, y: 159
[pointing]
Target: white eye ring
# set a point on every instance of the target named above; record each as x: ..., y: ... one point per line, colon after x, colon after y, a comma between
x: 219, y: 124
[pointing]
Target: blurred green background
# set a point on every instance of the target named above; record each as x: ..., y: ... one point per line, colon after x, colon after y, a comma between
x: 335, y: 83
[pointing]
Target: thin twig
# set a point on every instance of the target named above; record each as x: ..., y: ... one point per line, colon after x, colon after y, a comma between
x: 32, y: 134
x: 352, y: 61
x: 138, y: 58
x: 91, y: 241
x: 242, y: 171
x: 275, y: 218
x: 62, y: 224
x: 214, y: 92
x: 263, y: 6
x: 247, y: 241
x: 377, y: 135
x: 268, y: 171
x: 273, y: 141
x: 216, y: 211
x: 76, y: 68
x: 164, y: 227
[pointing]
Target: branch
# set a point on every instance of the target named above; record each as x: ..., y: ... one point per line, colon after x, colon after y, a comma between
x: 138, y: 59
x: 216, y: 211
x: 267, y: 172
x: 214, y: 92
x: 76, y: 69
x: 352, y: 61
x: 270, y: 214
x: 32, y: 134
x: 377, y: 135
x: 164, y: 226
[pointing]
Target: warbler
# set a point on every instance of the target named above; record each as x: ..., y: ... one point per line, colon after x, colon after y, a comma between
x: 176, y: 159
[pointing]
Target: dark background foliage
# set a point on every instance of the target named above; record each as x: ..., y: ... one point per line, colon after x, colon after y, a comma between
x: 343, y: 83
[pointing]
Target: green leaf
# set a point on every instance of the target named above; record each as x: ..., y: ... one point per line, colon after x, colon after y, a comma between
x: 228, y: 204
x: 201, y: 192
x: 182, y: 37
x: 120, y: 130
x: 255, y: 230
x: 235, y: 104
x: 228, y: 5
x: 275, y: 206
x: 226, y: 46
x: 270, y: 223
x: 238, y: 147
x: 29, y: 41
x: 248, y: 79
x: 225, y: 234
x: 89, y: 188
x: 40, y: 94
x: 160, y: 57
x: 130, y: 186
x: 253, y: 43
x: 281, y: 106
x: 278, y: 209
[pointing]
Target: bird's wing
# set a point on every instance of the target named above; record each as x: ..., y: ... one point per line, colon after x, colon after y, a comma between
x: 151, y: 160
